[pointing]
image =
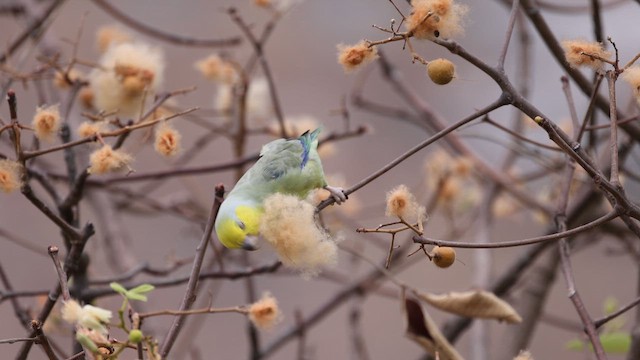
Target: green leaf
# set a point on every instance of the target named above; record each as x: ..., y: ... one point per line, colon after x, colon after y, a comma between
x: 617, y: 342
x: 575, y: 345
x: 87, y: 342
x: 118, y: 288
x: 142, y: 289
x: 137, y: 293
x: 133, y: 296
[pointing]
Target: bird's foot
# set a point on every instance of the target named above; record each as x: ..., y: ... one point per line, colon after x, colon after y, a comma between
x: 337, y: 193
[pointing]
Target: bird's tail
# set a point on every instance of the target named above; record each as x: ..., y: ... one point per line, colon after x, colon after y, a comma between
x: 309, y: 141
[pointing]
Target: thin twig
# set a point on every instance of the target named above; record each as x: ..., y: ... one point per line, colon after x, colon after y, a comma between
x: 91, y: 294
x: 556, y: 134
x: 42, y: 339
x: 613, y: 144
x: 71, y: 265
x: 209, y: 310
x: 520, y: 136
x: 514, y: 243
x: 33, y: 30
x: 189, y: 295
x: 15, y: 340
x: 144, y: 268
x: 513, y: 15
x: 599, y: 322
x: 62, y: 276
x: 266, y: 69
x: 119, y: 132
x: 540, y: 24
x: 164, y: 36
x: 570, y: 103
x: 608, y: 126
x: 497, y: 104
x: 577, y: 301
x: 21, y: 313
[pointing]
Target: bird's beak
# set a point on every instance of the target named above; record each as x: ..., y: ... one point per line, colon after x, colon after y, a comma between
x: 250, y: 243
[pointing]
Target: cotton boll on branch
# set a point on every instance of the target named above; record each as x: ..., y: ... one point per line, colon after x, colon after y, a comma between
x: 215, y: 68
x: 352, y: 57
x: 46, y: 122
x: 632, y: 77
x: 10, y: 179
x: 265, y: 313
x: 402, y: 204
x: 433, y: 18
x: 167, y: 140
x: 577, y: 53
x: 91, y: 128
x: 106, y: 159
x: 129, y: 73
x: 288, y: 225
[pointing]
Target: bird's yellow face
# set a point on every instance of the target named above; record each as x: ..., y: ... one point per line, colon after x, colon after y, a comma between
x: 238, y: 227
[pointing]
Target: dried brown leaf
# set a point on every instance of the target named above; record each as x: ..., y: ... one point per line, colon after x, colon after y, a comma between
x: 422, y: 329
x: 475, y: 304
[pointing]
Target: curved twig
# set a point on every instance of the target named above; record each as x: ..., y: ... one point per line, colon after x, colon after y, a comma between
x: 535, y: 240
x: 161, y: 35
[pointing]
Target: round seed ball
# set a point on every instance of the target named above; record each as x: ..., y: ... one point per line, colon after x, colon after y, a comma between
x: 441, y: 71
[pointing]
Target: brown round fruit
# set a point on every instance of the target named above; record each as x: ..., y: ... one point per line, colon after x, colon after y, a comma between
x: 441, y: 71
x: 444, y: 256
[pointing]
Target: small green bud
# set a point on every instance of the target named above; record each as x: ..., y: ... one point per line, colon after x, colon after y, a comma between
x: 135, y: 336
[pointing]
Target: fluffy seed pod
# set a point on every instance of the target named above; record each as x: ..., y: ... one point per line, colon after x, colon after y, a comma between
x: 10, y: 175
x: 355, y: 56
x: 216, y: 68
x: 430, y: 19
x: 443, y: 256
x: 167, y: 141
x: 577, y: 53
x: 441, y: 71
x: 46, y: 122
x: 632, y: 77
x: 106, y: 160
x: 265, y: 313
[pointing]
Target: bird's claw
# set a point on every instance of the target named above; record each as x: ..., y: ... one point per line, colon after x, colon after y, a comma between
x: 337, y: 193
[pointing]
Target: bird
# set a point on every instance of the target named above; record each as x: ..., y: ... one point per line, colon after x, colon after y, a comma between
x: 289, y: 166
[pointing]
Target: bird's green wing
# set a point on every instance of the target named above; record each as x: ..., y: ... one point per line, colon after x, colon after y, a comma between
x: 279, y: 158
x: 290, y: 166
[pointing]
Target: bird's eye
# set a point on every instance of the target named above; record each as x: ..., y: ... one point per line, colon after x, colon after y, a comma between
x: 241, y: 225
